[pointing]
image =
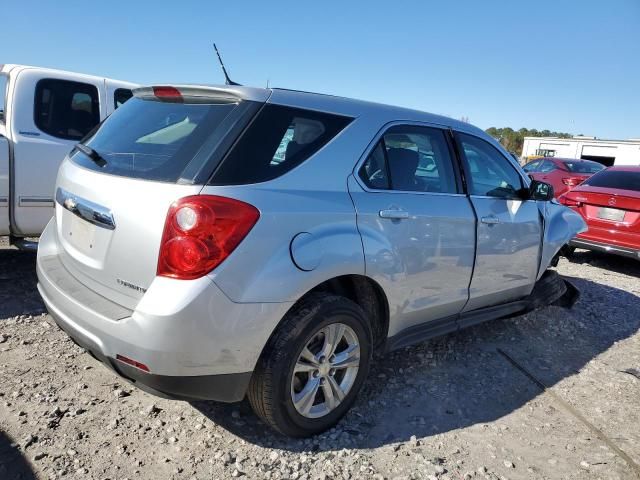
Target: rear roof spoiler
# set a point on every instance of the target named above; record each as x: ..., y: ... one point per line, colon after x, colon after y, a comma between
x: 202, y: 94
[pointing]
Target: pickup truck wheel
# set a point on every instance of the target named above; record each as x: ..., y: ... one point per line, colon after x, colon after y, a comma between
x: 313, y: 366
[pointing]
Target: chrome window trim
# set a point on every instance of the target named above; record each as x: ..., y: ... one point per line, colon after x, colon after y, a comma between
x: 372, y: 145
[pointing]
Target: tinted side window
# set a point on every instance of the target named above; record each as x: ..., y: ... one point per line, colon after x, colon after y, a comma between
x: 66, y: 109
x: 121, y: 95
x: 279, y: 139
x: 419, y: 160
x: 374, y: 171
x: 490, y: 173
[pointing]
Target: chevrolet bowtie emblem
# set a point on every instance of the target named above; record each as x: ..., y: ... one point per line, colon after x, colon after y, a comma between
x: 70, y: 204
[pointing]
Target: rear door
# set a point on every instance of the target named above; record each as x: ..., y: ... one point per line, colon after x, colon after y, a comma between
x: 509, y: 232
x: 417, y: 227
x: 52, y: 113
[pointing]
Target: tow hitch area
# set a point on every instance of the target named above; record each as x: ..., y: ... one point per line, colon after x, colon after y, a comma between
x: 552, y: 289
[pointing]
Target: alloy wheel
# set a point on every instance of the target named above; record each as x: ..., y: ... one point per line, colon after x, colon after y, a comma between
x: 325, y: 371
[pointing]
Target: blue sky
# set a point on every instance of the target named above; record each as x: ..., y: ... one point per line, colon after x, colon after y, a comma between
x: 561, y: 65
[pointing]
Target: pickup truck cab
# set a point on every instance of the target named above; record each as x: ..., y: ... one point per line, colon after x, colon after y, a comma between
x: 43, y: 114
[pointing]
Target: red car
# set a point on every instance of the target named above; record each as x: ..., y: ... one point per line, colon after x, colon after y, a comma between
x: 609, y: 202
x: 562, y: 173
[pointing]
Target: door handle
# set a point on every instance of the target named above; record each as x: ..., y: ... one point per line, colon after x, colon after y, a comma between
x: 490, y: 220
x: 394, y: 214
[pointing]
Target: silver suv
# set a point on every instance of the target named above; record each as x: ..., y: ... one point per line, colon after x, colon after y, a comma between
x: 223, y: 242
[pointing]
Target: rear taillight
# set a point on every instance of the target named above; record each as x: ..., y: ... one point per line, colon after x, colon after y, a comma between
x: 572, y: 181
x: 569, y: 202
x: 200, y: 232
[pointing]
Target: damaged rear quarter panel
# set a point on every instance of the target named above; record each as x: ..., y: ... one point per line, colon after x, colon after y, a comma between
x: 561, y: 224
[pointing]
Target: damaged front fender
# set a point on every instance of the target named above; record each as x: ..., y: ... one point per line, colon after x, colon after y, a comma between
x: 560, y: 225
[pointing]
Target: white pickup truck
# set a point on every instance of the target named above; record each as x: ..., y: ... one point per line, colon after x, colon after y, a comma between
x: 43, y: 114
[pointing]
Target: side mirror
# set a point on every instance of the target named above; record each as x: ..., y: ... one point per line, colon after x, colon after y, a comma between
x: 540, y: 191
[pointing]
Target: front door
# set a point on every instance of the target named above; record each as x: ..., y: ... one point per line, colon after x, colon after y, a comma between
x: 52, y: 114
x: 418, y: 229
x: 509, y: 232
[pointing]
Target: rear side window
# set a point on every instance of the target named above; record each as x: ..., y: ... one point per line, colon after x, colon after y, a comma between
x: 279, y: 139
x: 584, y: 166
x: 152, y: 140
x: 621, y: 179
x: 64, y: 109
x: 121, y: 95
x: 411, y: 159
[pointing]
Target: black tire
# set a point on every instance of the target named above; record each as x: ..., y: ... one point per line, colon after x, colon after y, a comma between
x: 270, y: 388
x: 567, y: 251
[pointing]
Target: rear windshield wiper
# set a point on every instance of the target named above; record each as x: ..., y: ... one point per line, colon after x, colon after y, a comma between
x: 92, y: 154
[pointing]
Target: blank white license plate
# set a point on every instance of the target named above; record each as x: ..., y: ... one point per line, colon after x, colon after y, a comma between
x: 82, y: 233
x: 613, y: 214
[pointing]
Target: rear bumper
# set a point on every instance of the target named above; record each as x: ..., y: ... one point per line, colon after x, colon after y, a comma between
x: 196, y: 342
x: 606, y: 248
x: 222, y: 388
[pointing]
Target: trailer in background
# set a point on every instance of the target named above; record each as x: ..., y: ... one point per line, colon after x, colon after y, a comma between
x: 607, y: 152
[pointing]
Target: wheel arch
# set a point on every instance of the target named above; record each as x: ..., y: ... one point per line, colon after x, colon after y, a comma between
x: 362, y: 290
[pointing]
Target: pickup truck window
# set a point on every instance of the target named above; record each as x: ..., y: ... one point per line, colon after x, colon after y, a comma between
x: 66, y: 109
x: 3, y: 95
x: 121, y: 95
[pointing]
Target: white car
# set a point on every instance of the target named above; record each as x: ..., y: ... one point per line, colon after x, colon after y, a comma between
x: 43, y: 114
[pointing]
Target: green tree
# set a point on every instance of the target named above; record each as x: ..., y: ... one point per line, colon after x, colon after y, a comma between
x: 513, y: 140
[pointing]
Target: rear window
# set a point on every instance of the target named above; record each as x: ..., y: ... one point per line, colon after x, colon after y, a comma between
x: 621, y: 179
x: 279, y: 139
x: 584, y: 167
x: 152, y: 140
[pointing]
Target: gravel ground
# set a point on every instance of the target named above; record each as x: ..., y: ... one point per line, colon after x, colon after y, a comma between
x: 451, y: 408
